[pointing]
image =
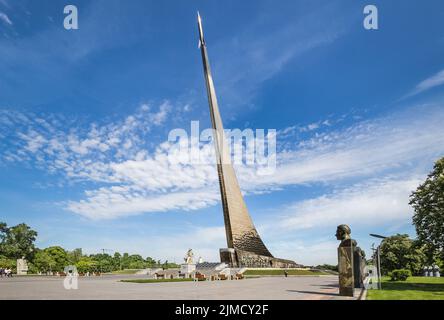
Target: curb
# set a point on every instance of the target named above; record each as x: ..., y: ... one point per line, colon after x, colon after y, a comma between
x: 363, y: 294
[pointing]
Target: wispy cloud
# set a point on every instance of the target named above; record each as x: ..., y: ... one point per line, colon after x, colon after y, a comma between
x: 249, y: 60
x: 50, y: 47
x: 136, y: 178
x: 369, y: 203
x: 410, y: 140
x: 5, y: 19
x: 4, y: 3
x: 59, y: 144
x: 427, y: 84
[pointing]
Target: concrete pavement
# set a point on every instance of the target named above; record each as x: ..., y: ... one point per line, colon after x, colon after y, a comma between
x: 110, y: 287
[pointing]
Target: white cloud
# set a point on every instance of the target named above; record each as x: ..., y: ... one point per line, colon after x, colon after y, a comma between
x: 134, y: 179
x: 114, y: 202
x: 429, y: 83
x: 61, y: 144
x: 395, y: 143
x: 160, y: 117
x: 363, y: 149
x: 4, y: 17
x: 372, y: 203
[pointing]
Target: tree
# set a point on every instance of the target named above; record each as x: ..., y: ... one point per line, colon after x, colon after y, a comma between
x: 17, y: 242
x: 3, y: 231
x: 136, y: 262
x: 43, y: 261
x: 150, y: 261
x: 125, y: 261
x: 105, y: 262
x: 75, y: 255
x: 86, y: 264
x: 117, y: 261
x: 401, y: 252
x: 8, y: 263
x: 60, y: 257
x: 428, y: 203
x: 326, y: 266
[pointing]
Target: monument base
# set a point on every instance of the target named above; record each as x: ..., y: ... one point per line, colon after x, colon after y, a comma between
x: 345, y: 266
x: 187, y: 268
x: 22, y: 267
x: 236, y: 258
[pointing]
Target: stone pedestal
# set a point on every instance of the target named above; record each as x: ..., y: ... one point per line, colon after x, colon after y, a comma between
x: 228, y: 256
x: 22, y: 267
x: 236, y: 258
x: 187, y: 268
x: 346, y: 276
x: 359, y: 264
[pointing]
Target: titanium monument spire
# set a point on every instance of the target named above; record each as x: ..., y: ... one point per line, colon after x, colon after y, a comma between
x: 240, y: 231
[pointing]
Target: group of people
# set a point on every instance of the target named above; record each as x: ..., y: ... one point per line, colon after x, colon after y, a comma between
x: 5, y: 272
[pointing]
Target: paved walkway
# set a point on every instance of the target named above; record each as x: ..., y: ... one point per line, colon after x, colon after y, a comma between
x: 109, y: 287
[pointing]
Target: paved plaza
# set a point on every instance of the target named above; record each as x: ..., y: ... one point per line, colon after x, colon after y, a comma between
x: 110, y: 287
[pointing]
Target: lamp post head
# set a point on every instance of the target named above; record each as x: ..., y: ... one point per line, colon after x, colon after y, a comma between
x: 377, y: 236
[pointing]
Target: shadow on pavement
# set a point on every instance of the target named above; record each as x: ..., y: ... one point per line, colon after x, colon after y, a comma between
x: 316, y: 292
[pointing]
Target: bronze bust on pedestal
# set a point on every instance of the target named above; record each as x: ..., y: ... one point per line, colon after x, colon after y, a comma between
x: 345, y: 261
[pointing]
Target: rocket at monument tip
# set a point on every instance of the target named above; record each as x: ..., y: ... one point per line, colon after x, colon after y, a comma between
x: 201, y: 36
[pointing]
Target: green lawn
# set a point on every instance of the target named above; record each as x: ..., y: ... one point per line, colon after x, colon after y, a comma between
x: 126, y: 271
x: 280, y: 272
x: 415, y: 288
x: 157, y: 280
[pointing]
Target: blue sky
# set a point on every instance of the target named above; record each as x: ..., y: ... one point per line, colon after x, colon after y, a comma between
x: 84, y: 116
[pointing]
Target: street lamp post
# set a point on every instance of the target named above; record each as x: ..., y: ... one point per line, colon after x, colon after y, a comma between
x: 378, y: 256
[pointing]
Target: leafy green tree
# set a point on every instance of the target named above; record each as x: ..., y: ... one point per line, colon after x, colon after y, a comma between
x: 86, y: 264
x: 17, y: 241
x: 75, y: 255
x: 6, y: 262
x: 32, y: 269
x: 136, y: 262
x: 125, y: 261
x: 44, y: 262
x: 401, y: 252
x: 428, y: 203
x: 150, y: 262
x: 327, y: 267
x: 3, y: 231
x: 60, y: 257
x: 105, y: 263
x: 117, y: 261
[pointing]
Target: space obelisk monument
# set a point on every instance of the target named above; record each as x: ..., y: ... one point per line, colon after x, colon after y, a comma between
x: 245, y: 246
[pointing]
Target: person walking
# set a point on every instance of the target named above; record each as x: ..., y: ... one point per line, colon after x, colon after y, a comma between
x: 285, y: 273
x: 8, y: 273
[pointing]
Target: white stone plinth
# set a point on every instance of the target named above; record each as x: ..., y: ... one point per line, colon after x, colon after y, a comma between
x: 22, y: 267
x: 187, y: 268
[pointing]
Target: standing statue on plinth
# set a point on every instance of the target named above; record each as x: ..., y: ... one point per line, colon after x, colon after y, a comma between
x: 189, y: 257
